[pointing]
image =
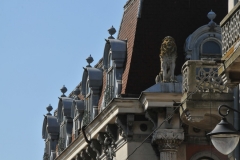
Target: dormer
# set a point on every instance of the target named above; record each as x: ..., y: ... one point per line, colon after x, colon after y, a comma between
x: 50, y: 133
x: 91, y: 88
x: 114, y: 58
x: 65, y: 120
x: 205, y: 42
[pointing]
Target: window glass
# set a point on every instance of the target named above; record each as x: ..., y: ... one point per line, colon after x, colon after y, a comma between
x: 211, y: 47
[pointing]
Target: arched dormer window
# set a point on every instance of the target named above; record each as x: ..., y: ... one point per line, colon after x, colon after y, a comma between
x: 211, y: 49
x: 204, y: 43
x: 91, y: 85
x: 114, y: 58
x: 65, y: 121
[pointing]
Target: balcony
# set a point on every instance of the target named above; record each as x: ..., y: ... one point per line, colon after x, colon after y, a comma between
x: 230, y: 27
x: 203, y: 91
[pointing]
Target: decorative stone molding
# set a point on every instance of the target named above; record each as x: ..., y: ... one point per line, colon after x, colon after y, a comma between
x: 96, y: 146
x: 91, y: 153
x: 109, y: 145
x: 84, y: 155
x: 168, y: 138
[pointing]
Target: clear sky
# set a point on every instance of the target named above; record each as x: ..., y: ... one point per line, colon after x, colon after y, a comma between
x: 43, y: 46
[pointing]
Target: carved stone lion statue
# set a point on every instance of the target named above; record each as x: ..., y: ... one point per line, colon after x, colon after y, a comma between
x: 168, y: 55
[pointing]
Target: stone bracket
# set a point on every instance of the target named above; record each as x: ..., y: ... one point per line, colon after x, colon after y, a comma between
x: 152, y: 116
x: 125, y: 123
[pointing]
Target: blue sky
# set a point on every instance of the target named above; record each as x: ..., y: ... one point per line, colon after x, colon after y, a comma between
x: 43, y: 46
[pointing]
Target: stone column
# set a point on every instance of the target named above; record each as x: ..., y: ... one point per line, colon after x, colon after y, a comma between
x: 168, y: 140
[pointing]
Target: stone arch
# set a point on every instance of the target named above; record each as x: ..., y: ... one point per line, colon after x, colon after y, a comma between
x: 204, y: 154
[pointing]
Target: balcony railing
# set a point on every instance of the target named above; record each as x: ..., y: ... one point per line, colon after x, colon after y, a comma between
x: 108, y: 94
x: 230, y: 27
x: 203, y: 91
x: 202, y: 76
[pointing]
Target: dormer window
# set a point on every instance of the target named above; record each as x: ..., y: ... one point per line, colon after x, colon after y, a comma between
x: 88, y: 110
x: 210, y: 49
x: 109, y: 90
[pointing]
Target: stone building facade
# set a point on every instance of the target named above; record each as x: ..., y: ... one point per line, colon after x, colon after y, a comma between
x: 122, y: 109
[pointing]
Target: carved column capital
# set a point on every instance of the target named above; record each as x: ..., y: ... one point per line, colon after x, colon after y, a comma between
x: 168, y: 138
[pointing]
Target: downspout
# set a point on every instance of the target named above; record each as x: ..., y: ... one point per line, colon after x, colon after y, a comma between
x: 84, y: 134
x: 236, y: 118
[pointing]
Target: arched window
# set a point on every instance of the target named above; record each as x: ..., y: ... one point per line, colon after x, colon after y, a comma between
x: 211, y: 47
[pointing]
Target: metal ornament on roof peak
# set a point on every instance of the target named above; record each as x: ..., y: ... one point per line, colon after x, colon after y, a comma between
x: 111, y: 31
x: 211, y: 15
x: 63, y: 90
x: 49, y: 109
x: 89, y: 60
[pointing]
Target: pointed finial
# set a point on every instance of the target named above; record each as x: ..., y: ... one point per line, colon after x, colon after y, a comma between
x: 111, y: 31
x: 89, y: 60
x: 49, y: 109
x: 63, y: 90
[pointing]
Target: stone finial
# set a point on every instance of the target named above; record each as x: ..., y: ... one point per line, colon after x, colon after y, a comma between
x: 111, y: 31
x: 63, y: 90
x: 211, y: 15
x: 49, y: 109
x: 89, y: 60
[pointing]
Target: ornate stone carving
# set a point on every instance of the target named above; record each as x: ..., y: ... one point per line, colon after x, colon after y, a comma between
x: 168, y: 57
x: 168, y: 138
x: 109, y: 144
x: 111, y: 130
x: 91, y: 153
x: 96, y: 146
x: 84, y: 155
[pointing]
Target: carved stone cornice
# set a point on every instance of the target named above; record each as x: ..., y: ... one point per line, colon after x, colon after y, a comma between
x: 168, y: 138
